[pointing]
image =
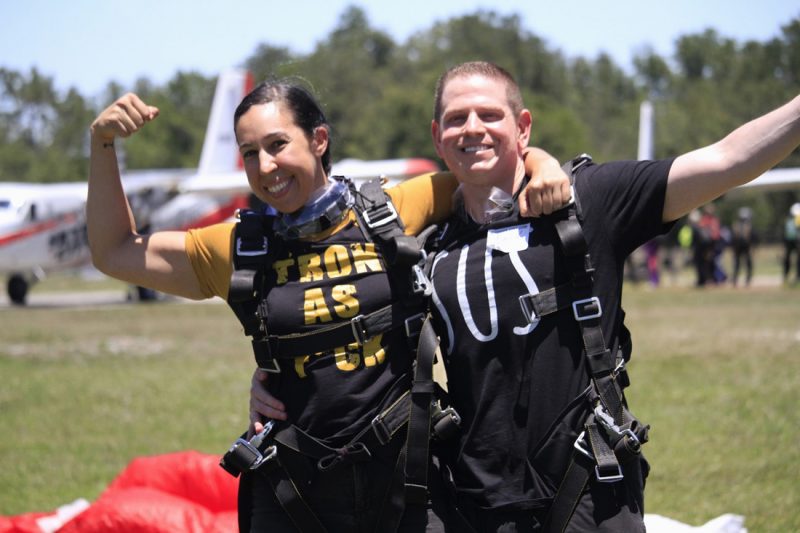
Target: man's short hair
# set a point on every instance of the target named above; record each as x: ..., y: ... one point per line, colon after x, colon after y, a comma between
x: 479, y: 68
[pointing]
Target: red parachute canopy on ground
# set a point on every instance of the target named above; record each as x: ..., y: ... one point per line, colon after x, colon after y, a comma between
x: 183, y: 491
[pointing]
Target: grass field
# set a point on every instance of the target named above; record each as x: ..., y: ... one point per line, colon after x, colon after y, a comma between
x: 716, y: 372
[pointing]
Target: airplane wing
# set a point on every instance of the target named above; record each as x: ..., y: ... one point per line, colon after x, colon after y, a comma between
x: 777, y: 179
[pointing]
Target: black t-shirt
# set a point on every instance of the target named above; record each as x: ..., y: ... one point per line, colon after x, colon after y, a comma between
x: 510, y: 380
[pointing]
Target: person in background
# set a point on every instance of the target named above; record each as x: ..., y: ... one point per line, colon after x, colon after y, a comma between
x: 791, y: 243
x: 742, y: 241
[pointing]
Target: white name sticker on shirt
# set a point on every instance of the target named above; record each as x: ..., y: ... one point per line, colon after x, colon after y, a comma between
x: 507, y: 240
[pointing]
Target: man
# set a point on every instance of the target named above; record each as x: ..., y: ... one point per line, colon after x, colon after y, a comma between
x: 541, y: 405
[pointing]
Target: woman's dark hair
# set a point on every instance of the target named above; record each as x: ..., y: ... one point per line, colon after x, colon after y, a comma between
x: 305, y: 109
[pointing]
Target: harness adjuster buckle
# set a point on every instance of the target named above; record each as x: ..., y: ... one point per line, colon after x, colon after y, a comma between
x: 445, y: 423
x: 243, y: 456
x: 611, y: 478
x: 357, y: 326
x: 380, y: 430
x: 587, y: 309
x: 272, y: 366
x: 581, y: 446
x: 420, y: 283
x: 382, y: 218
x: 264, y: 358
x: 528, y: 309
x: 250, y: 253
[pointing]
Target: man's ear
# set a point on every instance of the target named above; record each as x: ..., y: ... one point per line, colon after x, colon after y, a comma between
x: 320, y: 141
x: 524, y: 124
x: 435, y: 135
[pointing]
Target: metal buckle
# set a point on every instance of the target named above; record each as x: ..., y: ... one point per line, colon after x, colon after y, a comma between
x: 420, y: 283
x: 579, y: 305
x: 381, y: 221
x: 250, y: 253
x: 258, y: 438
x: 580, y: 445
x: 359, y: 334
x: 274, y: 368
x: 612, y: 478
x: 526, y: 303
x: 381, y: 431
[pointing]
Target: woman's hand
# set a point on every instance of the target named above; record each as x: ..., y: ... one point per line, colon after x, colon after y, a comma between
x: 123, y: 118
x: 263, y: 405
x: 548, y: 189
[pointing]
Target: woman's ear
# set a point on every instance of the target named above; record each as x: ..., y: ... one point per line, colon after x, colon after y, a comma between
x: 320, y: 141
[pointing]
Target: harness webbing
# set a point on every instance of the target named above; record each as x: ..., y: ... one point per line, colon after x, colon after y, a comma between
x: 611, y: 433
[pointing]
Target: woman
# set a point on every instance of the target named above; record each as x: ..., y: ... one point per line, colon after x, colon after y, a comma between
x: 320, y: 275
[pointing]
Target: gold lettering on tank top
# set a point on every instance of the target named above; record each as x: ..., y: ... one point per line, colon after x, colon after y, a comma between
x: 300, y: 365
x: 310, y: 266
x: 336, y: 261
x: 322, y: 304
x: 281, y: 268
x: 374, y: 354
x: 314, y: 308
x: 365, y: 258
x: 348, y: 358
x: 347, y: 304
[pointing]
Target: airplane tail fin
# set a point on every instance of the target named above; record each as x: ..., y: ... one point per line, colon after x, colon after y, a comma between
x: 220, y: 153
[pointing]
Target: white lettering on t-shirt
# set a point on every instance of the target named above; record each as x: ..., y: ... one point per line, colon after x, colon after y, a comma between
x: 510, y: 241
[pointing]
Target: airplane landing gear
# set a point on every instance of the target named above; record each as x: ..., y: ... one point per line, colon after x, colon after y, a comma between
x: 17, y: 289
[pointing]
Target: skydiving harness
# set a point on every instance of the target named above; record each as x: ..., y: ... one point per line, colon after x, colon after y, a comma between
x: 611, y: 436
x: 257, y: 244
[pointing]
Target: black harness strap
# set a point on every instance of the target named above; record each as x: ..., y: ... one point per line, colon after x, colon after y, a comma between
x: 291, y: 442
x: 289, y: 496
x: 610, y: 422
x: 419, y: 425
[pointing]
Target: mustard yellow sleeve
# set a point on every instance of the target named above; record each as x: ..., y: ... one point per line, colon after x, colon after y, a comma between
x: 424, y: 200
x: 210, y: 250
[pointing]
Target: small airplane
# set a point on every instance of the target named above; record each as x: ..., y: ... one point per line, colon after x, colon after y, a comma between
x: 776, y: 179
x: 43, y: 226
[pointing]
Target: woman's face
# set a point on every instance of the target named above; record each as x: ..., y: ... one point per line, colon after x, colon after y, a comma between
x: 283, y: 165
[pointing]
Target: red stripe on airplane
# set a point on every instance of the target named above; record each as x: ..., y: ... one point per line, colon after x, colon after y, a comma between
x: 41, y: 227
x: 417, y: 166
x: 221, y: 214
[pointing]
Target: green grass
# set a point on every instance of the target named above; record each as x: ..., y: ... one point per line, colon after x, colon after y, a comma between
x: 715, y: 372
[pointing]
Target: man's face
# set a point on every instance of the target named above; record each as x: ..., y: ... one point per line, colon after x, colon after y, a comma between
x: 478, y: 135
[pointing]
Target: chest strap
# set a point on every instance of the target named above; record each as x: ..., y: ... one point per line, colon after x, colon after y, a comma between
x: 268, y: 349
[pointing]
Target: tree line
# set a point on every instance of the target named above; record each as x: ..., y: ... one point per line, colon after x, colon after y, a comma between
x: 378, y: 95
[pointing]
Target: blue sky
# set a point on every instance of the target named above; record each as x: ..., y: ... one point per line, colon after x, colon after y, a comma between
x: 86, y: 43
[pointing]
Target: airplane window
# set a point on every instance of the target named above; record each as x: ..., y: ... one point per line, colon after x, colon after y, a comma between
x: 5, y: 204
